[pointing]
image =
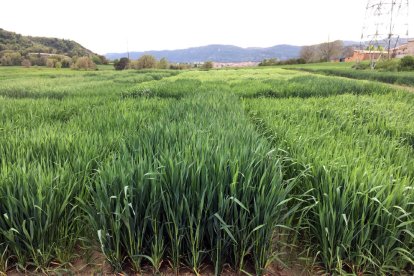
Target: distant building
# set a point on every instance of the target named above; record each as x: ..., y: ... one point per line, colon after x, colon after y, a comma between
x: 42, y: 54
x: 47, y: 55
x: 406, y: 49
x: 360, y: 55
x: 235, y: 64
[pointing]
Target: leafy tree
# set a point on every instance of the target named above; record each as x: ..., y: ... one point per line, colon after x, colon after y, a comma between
x: 146, y: 62
x: 50, y: 63
x: 407, y: 63
x: 207, y: 65
x: 5, y: 61
x: 121, y: 64
x: 163, y: 64
x: 38, y: 60
x: 26, y: 63
x: 66, y: 62
x: 269, y: 62
x: 96, y: 60
x: 11, y: 58
x: 84, y: 63
x: 180, y: 66
x: 103, y: 60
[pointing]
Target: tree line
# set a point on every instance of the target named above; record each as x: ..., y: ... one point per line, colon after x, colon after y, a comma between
x: 315, y: 53
x: 11, y: 58
x: 326, y: 51
x: 150, y: 62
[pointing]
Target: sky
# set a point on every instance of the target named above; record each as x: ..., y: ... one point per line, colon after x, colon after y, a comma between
x: 117, y: 26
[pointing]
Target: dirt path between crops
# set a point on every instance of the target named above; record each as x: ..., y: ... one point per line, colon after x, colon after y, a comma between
x: 97, y: 265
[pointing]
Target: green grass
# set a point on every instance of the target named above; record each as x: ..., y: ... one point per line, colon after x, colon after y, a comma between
x: 221, y: 168
x: 360, y: 186
x: 346, y: 70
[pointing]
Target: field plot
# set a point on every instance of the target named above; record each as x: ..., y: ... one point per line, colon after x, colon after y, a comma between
x: 222, y: 171
x: 346, y: 70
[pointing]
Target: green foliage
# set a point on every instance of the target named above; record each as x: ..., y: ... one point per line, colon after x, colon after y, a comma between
x: 84, y: 63
x: 38, y: 60
x: 99, y: 60
x: 213, y: 196
x: 96, y: 60
x: 407, y: 63
x: 306, y: 87
x: 388, y: 65
x: 163, y: 64
x: 26, y: 63
x: 180, y: 66
x: 269, y: 62
x: 27, y: 44
x: 50, y: 63
x: 66, y: 62
x: 8, y: 58
x: 359, y: 190
x: 361, y: 66
x: 207, y: 65
x: 404, y: 78
x: 145, y: 62
x: 121, y: 64
x: 274, y: 62
x: 195, y: 168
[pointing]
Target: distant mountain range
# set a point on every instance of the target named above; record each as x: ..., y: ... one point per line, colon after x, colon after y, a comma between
x: 226, y: 53
x: 218, y: 53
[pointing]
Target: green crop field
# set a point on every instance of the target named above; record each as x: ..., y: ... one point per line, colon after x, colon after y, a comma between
x: 223, y: 171
x: 346, y: 70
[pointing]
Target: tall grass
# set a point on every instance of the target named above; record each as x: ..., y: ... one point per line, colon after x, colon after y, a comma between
x: 204, y: 169
x: 202, y: 188
x: 401, y: 78
x: 360, y: 214
x: 50, y: 152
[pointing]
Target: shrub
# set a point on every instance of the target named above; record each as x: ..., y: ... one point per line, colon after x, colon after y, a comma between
x: 26, y: 63
x: 97, y: 60
x: 163, y: 64
x: 121, y: 64
x: 275, y: 61
x: 38, y: 60
x: 11, y: 59
x: 50, y: 63
x: 207, y: 65
x: 66, y: 62
x: 145, y: 62
x: 84, y: 63
x: 390, y: 65
x: 180, y: 66
x: 269, y: 62
x: 360, y: 66
x: 407, y: 63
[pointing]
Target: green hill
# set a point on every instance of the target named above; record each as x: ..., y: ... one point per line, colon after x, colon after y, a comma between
x: 28, y: 44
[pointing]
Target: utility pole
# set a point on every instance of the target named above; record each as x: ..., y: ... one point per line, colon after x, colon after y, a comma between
x: 127, y: 48
x: 386, y: 21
